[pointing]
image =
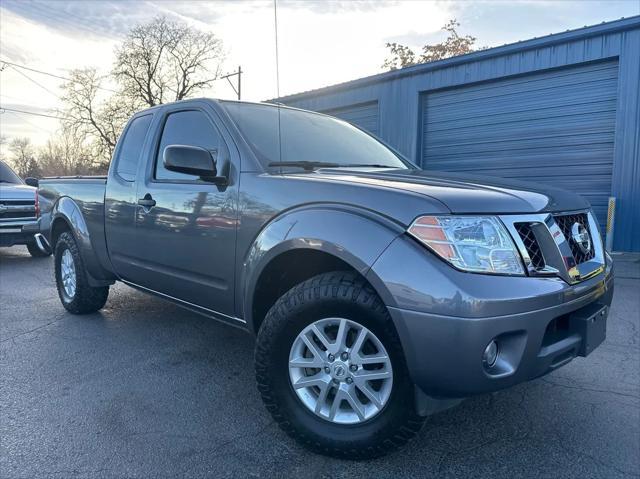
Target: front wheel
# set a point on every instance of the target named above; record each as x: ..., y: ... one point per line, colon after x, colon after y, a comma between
x: 75, y: 293
x: 331, y: 370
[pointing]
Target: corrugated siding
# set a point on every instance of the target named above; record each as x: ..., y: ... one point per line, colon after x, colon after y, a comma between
x: 364, y: 115
x: 555, y: 128
x: 399, y: 94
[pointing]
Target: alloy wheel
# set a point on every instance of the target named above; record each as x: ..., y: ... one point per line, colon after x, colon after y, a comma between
x: 68, y: 274
x: 340, y: 371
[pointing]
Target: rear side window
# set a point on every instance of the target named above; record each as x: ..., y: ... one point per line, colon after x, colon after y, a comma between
x: 192, y: 128
x: 7, y: 175
x: 132, y: 143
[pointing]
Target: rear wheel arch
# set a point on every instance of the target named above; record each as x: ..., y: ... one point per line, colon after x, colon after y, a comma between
x: 68, y: 217
x: 76, y: 292
x: 59, y: 226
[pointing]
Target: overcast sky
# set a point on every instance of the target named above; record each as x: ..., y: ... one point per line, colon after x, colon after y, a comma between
x: 321, y: 42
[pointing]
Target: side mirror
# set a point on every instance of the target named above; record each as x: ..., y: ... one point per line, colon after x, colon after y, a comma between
x: 31, y: 181
x: 192, y: 160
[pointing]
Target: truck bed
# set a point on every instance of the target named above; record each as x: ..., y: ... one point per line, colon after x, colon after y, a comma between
x: 87, y: 194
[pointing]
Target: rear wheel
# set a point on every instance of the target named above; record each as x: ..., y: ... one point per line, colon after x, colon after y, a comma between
x: 331, y: 370
x: 75, y: 293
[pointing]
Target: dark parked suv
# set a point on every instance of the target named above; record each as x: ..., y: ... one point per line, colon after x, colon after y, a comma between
x: 18, y: 213
x: 378, y: 293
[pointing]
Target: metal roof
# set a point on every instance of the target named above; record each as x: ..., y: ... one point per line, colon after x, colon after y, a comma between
x: 554, y: 38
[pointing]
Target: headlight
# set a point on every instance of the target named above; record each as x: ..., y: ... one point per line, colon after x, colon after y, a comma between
x: 470, y: 243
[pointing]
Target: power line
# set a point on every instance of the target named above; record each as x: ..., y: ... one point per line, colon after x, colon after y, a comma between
x: 19, y: 115
x: 45, y: 13
x: 21, y: 100
x: 15, y: 65
x: 36, y: 83
x: 15, y: 110
x: 36, y: 71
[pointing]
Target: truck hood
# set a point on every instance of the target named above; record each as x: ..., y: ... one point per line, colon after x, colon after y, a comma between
x: 14, y: 191
x: 466, y: 193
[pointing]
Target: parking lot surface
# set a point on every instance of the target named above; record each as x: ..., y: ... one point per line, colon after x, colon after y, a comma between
x: 147, y: 389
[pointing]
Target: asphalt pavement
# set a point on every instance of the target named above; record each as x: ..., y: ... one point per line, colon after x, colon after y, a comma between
x: 147, y: 389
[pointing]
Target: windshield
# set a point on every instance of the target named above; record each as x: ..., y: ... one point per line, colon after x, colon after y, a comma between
x: 308, y: 137
x: 7, y: 175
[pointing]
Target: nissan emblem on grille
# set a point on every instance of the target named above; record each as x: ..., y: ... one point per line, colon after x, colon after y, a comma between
x: 580, y: 237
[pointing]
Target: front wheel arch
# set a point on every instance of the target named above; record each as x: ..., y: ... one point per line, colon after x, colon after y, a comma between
x: 351, y: 239
x: 284, y: 271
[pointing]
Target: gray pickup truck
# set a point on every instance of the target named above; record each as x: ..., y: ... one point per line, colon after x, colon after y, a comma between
x: 379, y: 293
x: 19, y: 213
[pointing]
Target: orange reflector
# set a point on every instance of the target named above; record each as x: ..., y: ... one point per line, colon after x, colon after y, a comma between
x: 428, y: 230
x: 444, y: 250
x: 427, y: 220
x: 428, y: 234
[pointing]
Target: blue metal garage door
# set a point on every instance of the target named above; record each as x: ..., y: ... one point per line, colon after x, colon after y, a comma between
x: 364, y: 115
x: 555, y: 128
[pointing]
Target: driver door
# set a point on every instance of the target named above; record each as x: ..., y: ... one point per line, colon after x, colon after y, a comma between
x: 186, y: 227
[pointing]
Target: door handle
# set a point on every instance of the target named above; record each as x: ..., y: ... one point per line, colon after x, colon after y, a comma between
x: 147, y: 201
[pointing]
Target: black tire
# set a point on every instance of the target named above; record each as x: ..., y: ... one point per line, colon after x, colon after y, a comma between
x: 327, y: 295
x: 87, y: 299
x: 35, y: 251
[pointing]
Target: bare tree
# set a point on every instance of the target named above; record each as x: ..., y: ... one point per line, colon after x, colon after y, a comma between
x: 454, y: 45
x: 158, y: 62
x: 3, y: 140
x: 66, y: 154
x: 166, y: 61
x: 23, y: 157
x: 94, y: 120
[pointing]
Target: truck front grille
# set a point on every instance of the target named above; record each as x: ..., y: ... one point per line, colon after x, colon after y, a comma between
x: 531, y: 245
x: 17, y: 209
x: 565, y: 223
x: 547, y: 246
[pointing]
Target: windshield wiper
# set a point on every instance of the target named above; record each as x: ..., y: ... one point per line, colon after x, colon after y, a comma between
x: 366, y: 165
x: 307, y: 165
x: 312, y: 165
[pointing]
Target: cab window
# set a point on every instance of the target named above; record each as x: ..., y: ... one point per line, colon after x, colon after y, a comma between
x: 191, y: 128
x: 132, y: 143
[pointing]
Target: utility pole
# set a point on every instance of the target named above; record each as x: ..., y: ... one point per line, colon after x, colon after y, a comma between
x: 238, y: 90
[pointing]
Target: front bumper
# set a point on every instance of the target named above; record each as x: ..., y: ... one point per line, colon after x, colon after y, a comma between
x: 12, y: 233
x: 446, y: 320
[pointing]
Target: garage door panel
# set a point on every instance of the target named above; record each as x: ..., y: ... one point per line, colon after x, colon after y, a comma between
x: 535, y: 157
x: 560, y: 142
x: 512, y: 170
x: 524, y: 102
x: 555, y: 128
x: 583, y: 78
x: 532, y: 110
x: 525, y: 129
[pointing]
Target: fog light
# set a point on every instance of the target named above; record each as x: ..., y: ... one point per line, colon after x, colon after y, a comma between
x: 490, y: 354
